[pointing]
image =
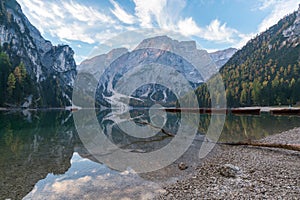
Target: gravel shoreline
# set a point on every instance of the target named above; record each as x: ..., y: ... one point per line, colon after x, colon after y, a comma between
x: 264, y: 173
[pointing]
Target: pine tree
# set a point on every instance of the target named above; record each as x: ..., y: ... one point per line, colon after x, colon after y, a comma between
x: 18, y: 75
x: 5, y: 69
x: 11, y: 84
x: 23, y: 70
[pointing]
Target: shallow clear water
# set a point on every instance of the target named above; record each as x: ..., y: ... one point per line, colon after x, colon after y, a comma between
x: 42, y: 156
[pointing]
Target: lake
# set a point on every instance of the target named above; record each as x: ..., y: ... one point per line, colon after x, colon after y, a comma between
x: 42, y: 155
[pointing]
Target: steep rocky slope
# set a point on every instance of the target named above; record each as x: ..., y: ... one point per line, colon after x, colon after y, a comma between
x: 221, y: 57
x: 52, y: 69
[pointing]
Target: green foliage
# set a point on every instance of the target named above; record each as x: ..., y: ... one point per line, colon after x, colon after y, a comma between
x: 11, y: 84
x: 23, y: 70
x: 15, y: 84
x: 17, y: 73
x: 265, y: 72
x: 5, y: 69
x: 15, y: 59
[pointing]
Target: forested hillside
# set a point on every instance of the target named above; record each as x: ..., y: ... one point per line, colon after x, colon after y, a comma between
x: 15, y: 84
x: 266, y: 71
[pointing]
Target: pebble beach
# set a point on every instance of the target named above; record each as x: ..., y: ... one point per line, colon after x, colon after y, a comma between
x: 258, y: 173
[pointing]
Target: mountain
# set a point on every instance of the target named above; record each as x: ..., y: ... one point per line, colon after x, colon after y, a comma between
x: 195, y: 65
x: 186, y: 49
x: 162, y: 50
x: 221, y: 57
x: 266, y: 71
x: 93, y: 65
x: 50, y: 70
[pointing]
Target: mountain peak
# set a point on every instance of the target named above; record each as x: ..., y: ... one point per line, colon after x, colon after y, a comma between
x: 168, y: 44
x: 186, y: 49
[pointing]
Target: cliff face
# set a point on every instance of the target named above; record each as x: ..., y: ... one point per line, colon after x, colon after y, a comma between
x: 292, y: 33
x: 51, y: 68
x: 221, y: 57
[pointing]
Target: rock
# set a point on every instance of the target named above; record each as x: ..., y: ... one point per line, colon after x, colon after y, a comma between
x: 221, y: 57
x: 182, y: 166
x: 51, y: 69
x: 229, y: 171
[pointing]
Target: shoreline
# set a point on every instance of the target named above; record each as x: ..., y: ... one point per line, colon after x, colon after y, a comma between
x: 263, y: 173
x: 262, y: 108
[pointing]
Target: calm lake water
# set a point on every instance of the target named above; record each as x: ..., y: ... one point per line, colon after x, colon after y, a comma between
x: 42, y: 156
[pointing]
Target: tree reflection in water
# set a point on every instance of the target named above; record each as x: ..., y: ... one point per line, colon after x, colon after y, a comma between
x: 43, y: 149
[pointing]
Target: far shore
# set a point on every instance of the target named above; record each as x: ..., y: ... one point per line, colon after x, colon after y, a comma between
x: 262, y: 108
x: 250, y: 111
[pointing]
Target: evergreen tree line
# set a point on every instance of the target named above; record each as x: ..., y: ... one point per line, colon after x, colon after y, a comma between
x: 266, y: 72
x: 15, y: 84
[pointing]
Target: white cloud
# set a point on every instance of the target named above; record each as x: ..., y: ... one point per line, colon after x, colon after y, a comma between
x: 149, y: 11
x: 85, y: 14
x: 216, y: 31
x: 58, y: 11
x: 159, y: 13
x: 280, y: 8
x: 72, y: 32
x: 63, y: 187
x: 188, y: 27
x: 121, y: 14
x: 165, y: 14
x: 70, y: 20
x: 67, y: 20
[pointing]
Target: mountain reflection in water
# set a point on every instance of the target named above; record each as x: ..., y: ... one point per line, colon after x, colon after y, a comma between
x: 42, y: 156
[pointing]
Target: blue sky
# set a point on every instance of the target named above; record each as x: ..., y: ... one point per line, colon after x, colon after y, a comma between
x: 214, y: 24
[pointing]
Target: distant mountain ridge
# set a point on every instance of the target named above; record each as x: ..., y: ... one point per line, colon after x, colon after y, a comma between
x: 150, y: 51
x: 194, y: 64
x: 52, y: 69
x: 187, y: 49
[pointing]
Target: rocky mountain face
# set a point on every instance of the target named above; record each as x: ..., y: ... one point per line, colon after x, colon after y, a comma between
x: 195, y: 65
x: 97, y: 64
x: 221, y: 57
x: 187, y: 49
x: 52, y: 69
x: 149, y: 69
x: 292, y: 33
x: 183, y: 57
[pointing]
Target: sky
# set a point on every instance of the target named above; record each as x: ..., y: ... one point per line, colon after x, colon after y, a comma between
x: 213, y: 24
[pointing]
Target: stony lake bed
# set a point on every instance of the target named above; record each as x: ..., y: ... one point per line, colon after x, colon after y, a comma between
x: 262, y: 173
